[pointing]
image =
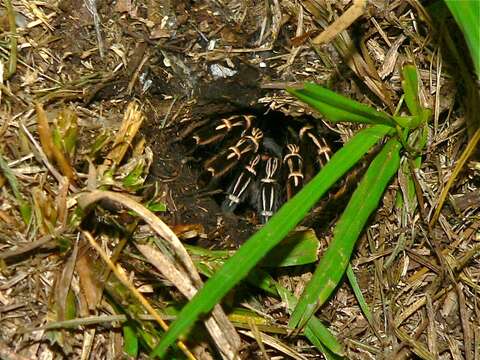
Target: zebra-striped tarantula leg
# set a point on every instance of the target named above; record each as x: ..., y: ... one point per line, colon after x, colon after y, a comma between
x: 219, y: 130
x: 294, y: 163
x: 222, y: 163
x: 323, y: 151
x: 269, y: 190
x: 237, y: 191
x: 308, y: 151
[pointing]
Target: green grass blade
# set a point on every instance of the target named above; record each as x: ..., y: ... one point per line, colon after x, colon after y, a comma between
x: 337, y: 108
x: 410, y: 89
x: 332, y: 113
x: 24, y: 206
x: 290, y: 214
x: 363, y: 202
x: 410, y: 85
x: 130, y: 339
x: 318, y: 334
x: 467, y: 16
x: 298, y: 248
x: 315, y: 331
x: 358, y: 294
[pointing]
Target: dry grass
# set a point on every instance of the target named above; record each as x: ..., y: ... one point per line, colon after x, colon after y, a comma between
x: 87, y: 105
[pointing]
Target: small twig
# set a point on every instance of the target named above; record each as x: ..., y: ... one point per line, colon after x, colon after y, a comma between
x: 12, y: 63
x: 467, y: 332
x: 11, y: 95
x: 92, y: 8
x: 471, y: 147
x: 342, y: 23
x: 28, y: 246
x: 164, y: 121
x: 89, y: 320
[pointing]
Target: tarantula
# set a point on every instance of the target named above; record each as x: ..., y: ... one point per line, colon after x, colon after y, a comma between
x: 261, y: 162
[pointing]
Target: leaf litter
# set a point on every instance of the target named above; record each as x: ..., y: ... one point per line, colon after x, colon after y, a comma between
x: 93, y: 97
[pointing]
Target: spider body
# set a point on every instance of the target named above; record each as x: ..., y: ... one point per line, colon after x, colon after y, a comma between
x: 262, y: 164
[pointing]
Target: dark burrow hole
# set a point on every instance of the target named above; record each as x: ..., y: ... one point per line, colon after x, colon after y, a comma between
x: 252, y: 161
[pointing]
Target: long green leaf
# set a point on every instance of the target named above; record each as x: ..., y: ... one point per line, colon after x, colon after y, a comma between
x: 359, y: 295
x: 130, y: 340
x: 337, y: 108
x: 410, y: 85
x: 298, y: 248
x: 467, y: 16
x: 290, y: 214
x: 363, y: 202
x: 311, y: 332
x: 315, y: 331
x: 410, y: 89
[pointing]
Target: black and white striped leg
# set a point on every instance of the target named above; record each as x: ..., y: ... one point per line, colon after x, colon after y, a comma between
x: 310, y: 139
x: 269, y: 190
x: 221, y: 128
x: 222, y: 163
x: 238, y: 189
x: 294, y: 163
x: 308, y: 151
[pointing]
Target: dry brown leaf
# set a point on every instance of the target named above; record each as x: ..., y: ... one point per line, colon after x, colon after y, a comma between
x: 88, y: 281
x: 132, y: 120
x: 63, y: 284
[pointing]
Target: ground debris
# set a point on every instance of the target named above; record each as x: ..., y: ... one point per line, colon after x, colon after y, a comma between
x: 99, y: 110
